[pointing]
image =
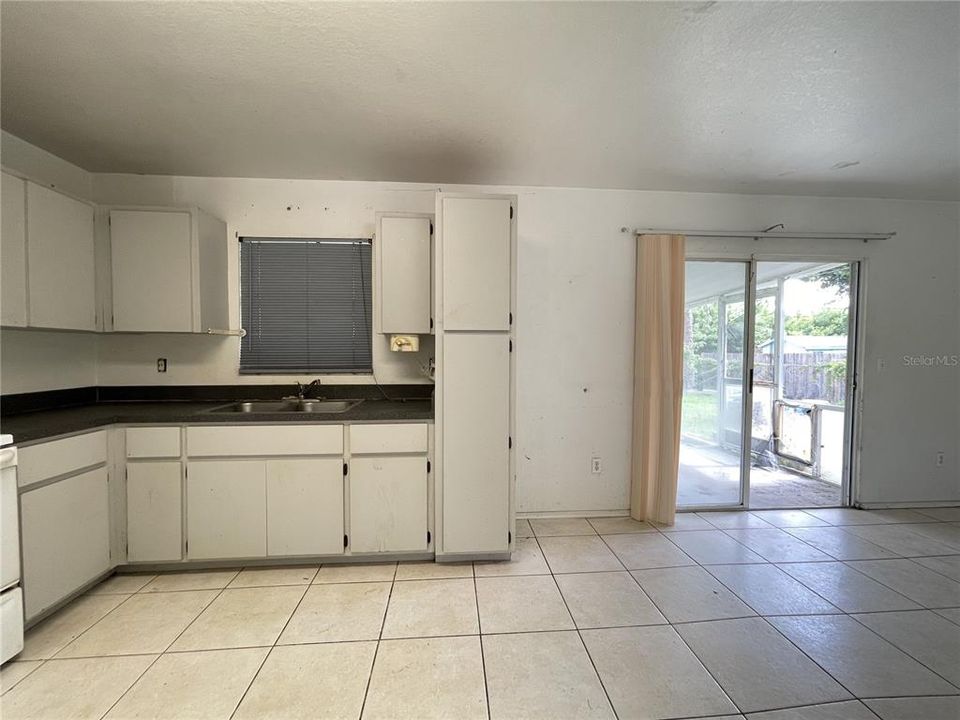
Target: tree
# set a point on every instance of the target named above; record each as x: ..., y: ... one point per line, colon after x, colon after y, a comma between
x: 829, y: 321
x: 835, y: 278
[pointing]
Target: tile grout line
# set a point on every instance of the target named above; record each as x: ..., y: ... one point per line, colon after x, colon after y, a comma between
x: 684, y: 640
x: 891, y: 589
x: 483, y: 660
x: 269, y: 652
x: 576, y: 627
x: 84, y: 632
x: 842, y: 612
x: 163, y: 652
x: 554, y: 575
x: 737, y: 705
x: 903, y: 650
x: 376, y: 649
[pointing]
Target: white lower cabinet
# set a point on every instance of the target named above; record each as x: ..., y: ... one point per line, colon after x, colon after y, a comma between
x: 65, y: 538
x: 154, y: 512
x: 388, y: 504
x: 305, y: 506
x: 226, y: 509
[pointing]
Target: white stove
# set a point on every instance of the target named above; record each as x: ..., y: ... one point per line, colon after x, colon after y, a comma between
x: 11, y: 594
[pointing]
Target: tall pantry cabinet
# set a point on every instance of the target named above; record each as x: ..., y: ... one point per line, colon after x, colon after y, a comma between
x: 475, y: 407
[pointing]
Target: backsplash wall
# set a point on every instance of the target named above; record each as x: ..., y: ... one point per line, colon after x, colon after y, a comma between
x: 35, y: 360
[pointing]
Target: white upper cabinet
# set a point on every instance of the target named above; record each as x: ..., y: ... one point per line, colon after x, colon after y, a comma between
x: 60, y: 258
x: 13, y: 252
x: 168, y: 270
x: 476, y: 262
x: 152, y: 258
x: 403, y: 248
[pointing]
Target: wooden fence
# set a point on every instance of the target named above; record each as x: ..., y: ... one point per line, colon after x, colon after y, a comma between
x: 806, y: 376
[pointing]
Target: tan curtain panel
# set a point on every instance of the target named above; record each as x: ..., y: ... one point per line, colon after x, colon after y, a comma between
x: 658, y: 377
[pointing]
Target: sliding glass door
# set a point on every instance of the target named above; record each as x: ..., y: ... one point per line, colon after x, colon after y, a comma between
x: 714, y: 380
x: 769, y: 350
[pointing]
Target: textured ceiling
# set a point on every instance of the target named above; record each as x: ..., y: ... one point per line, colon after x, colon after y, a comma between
x: 840, y: 98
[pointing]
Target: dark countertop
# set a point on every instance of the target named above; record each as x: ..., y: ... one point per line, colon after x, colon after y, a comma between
x: 33, y: 426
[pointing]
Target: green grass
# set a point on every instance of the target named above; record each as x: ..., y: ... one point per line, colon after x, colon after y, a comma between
x: 699, y: 414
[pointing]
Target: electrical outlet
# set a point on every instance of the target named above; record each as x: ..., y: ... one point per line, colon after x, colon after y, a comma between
x: 941, y: 458
x: 161, y: 364
x: 596, y: 465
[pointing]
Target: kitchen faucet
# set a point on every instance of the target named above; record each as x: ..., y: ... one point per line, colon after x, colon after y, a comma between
x: 302, y: 390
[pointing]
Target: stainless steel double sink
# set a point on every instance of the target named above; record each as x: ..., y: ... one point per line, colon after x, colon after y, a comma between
x: 287, y: 405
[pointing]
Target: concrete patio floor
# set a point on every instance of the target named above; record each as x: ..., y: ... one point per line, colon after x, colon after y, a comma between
x: 711, y: 476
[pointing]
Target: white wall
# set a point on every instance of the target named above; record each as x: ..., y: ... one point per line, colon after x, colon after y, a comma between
x: 35, y: 360
x: 575, y: 316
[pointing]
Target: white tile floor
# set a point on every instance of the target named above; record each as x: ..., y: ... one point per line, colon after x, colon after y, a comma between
x: 831, y: 614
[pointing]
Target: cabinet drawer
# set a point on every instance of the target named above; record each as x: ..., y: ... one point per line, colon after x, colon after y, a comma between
x: 383, y: 439
x: 156, y: 442
x: 260, y: 440
x: 59, y: 457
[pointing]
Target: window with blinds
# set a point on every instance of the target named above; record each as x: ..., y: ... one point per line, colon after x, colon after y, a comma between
x: 306, y: 305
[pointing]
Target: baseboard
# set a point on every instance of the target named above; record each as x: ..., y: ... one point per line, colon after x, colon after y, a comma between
x: 573, y: 514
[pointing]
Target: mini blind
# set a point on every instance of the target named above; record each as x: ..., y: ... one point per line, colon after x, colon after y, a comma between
x: 305, y: 305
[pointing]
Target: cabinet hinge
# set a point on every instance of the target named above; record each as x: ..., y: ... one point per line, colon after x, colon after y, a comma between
x: 428, y: 466
x: 431, y: 323
x: 431, y: 228
x: 511, y: 346
x: 510, y: 318
x: 109, y: 220
x: 346, y: 540
x: 428, y: 537
x: 126, y: 474
x: 509, y: 442
x: 511, y: 212
x: 509, y: 537
x: 344, y: 469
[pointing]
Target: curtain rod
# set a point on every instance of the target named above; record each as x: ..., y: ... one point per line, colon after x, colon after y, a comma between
x: 757, y: 234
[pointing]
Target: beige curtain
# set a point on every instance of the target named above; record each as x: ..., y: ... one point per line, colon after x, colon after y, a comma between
x: 658, y: 377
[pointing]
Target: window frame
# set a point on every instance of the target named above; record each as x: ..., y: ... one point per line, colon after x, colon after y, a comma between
x: 369, y: 329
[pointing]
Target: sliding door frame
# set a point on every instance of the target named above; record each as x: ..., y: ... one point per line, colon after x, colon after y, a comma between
x: 850, y: 483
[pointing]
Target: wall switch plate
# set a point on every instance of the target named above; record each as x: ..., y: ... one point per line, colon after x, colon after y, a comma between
x: 596, y: 465
x: 161, y: 364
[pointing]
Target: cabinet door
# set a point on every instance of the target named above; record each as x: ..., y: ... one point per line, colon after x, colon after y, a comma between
x: 154, y: 513
x: 475, y: 432
x: 305, y: 506
x: 66, y: 538
x: 226, y: 509
x: 152, y: 259
x: 403, y: 247
x: 476, y: 263
x: 13, y: 253
x: 60, y: 258
x: 388, y: 504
